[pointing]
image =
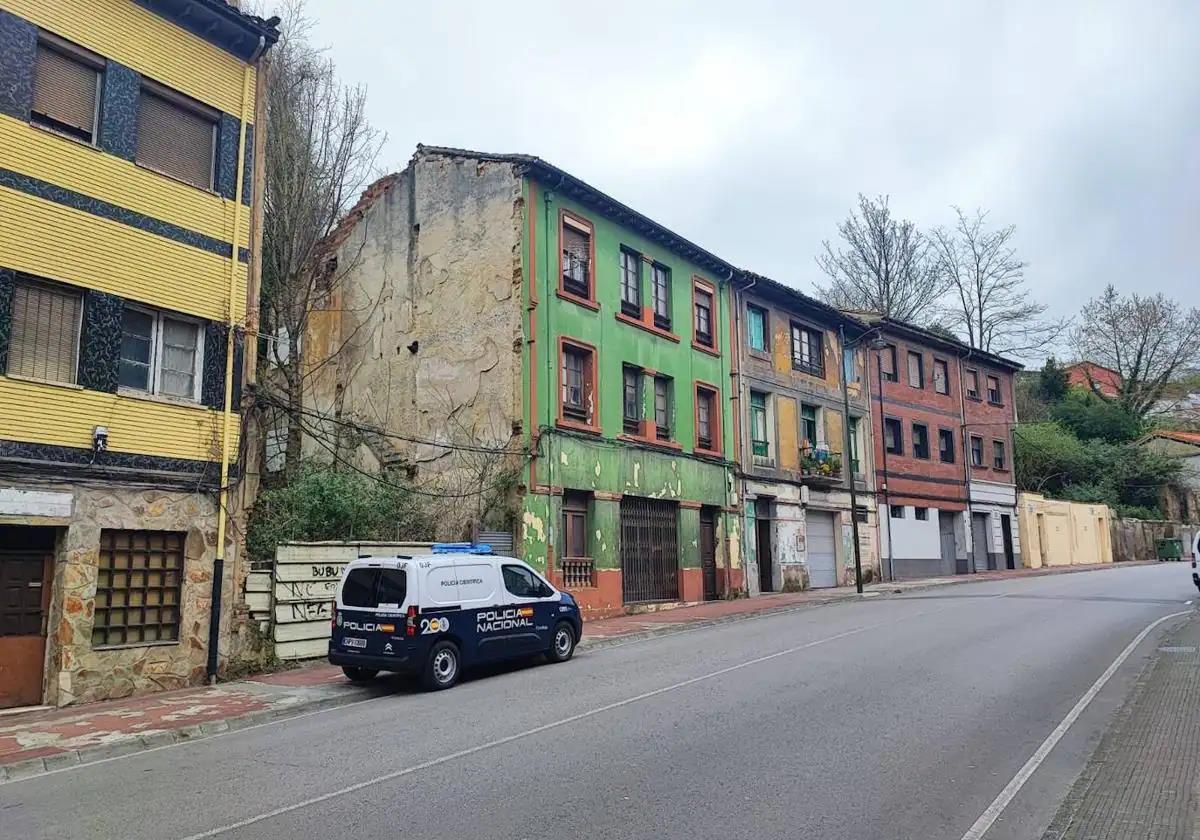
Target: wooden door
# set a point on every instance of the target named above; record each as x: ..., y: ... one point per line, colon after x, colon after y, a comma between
x: 24, y: 602
x: 708, y: 553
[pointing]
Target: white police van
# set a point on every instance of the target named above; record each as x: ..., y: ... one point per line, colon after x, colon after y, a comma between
x: 437, y: 613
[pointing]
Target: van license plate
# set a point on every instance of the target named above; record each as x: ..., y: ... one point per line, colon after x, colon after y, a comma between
x: 355, y: 643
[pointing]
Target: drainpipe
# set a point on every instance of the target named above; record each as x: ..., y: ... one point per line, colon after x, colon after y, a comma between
x: 968, y: 527
x: 214, y: 622
x: 733, y: 473
x: 887, y: 496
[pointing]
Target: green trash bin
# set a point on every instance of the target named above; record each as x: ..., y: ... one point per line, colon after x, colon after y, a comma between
x: 1169, y: 549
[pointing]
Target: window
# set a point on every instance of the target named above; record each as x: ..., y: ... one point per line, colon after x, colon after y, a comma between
x: 916, y: 369
x: 160, y: 354
x: 176, y: 135
x: 808, y: 426
x: 920, y: 441
x: 631, y: 283
x: 576, y: 238
x: 976, y: 451
x: 760, y: 445
x: 522, y: 583
x: 578, y: 386
x: 946, y: 446
x: 66, y: 88
x: 973, y: 384
x: 662, y: 407
x: 850, y: 365
x: 807, y: 350
x: 702, y: 301
x: 632, y: 399
x: 941, y: 376
x: 998, y: 459
x: 921, y: 514
x: 138, y: 587
x: 756, y: 327
x: 370, y: 588
x: 707, y: 419
x: 44, y: 342
x: 855, y: 463
x: 892, y: 436
x: 993, y: 386
x: 660, y: 291
x: 860, y: 513
x: 887, y: 362
x: 896, y: 511
x: 574, y: 517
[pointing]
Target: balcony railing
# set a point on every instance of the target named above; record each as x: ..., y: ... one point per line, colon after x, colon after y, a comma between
x: 820, y: 463
x: 577, y: 572
x: 760, y: 451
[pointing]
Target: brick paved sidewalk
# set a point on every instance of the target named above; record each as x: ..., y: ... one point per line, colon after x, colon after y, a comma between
x: 38, y: 741
x: 1143, y: 780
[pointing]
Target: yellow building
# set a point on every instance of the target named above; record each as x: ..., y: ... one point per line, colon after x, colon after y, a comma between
x: 128, y: 205
x: 1058, y: 533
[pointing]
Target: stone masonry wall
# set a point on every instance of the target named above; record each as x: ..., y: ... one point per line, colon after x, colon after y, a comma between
x: 77, y: 673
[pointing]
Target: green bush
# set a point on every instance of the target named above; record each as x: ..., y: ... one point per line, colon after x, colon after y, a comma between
x: 1089, y: 417
x: 320, y: 503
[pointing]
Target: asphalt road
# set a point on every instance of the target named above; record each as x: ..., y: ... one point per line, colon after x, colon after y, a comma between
x: 895, y: 717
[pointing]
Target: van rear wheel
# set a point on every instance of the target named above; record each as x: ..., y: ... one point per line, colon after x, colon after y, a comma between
x: 562, y: 644
x: 442, y: 668
x: 355, y: 674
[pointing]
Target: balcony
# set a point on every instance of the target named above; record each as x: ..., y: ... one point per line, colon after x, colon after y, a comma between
x: 820, y: 465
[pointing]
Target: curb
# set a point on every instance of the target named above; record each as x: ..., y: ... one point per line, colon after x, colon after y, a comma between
x: 28, y: 768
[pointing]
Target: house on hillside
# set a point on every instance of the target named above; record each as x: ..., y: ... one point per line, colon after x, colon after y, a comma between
x: 1180, y: 502
x: 1094, y: 377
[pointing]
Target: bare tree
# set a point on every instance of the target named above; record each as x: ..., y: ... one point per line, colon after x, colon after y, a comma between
x: 1149, y: 341
x: 884, y: 265
x: 986, y: 279
x: 320, y: 152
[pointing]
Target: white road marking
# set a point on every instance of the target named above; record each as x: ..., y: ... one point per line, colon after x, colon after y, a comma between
x: 1006, y: 796
x: 508, y: 739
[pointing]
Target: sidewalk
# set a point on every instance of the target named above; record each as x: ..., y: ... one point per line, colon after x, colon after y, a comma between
x: 1144, y: 778
x: 40, y: 741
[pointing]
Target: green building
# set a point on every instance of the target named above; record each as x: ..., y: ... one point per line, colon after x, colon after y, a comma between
x: 501, y: 297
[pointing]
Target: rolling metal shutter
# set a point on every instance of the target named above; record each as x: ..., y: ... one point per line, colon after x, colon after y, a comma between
x: 175, y: 140
x: 45, y: 332
x: 822, y: 554
x: 64, y: 90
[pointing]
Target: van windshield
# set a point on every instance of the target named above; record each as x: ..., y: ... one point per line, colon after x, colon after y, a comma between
x: 370, y: 587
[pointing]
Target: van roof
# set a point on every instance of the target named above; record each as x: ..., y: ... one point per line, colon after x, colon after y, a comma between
x: 434, y: 560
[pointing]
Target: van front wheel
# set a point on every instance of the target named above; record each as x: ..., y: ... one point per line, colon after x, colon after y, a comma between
x: 442, y: 668
x: 562, y: 644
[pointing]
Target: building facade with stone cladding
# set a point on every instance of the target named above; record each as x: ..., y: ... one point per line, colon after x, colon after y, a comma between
x: 128, y: 263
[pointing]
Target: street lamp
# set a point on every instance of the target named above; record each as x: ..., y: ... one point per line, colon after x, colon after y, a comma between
x: 877, y: 343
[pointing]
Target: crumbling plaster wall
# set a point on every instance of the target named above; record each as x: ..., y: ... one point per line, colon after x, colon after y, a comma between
x: 424, y: 322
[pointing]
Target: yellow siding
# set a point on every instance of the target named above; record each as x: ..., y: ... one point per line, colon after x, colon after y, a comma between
x: 49, y: 240
x: 789, y: 449
x: 66, y: 163
x: 143, y: 41
x: 37, y: 413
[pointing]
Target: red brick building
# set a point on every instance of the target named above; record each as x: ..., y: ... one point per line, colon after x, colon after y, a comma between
x: 1094, y: 377
x: 942, y: 418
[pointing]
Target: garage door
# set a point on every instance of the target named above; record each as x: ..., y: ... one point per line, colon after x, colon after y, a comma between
x: 822, y: 559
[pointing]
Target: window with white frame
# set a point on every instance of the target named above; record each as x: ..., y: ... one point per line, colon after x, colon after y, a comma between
x: 161, y: 353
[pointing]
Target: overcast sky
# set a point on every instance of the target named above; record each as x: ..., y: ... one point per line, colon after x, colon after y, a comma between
x: 749, y: 127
